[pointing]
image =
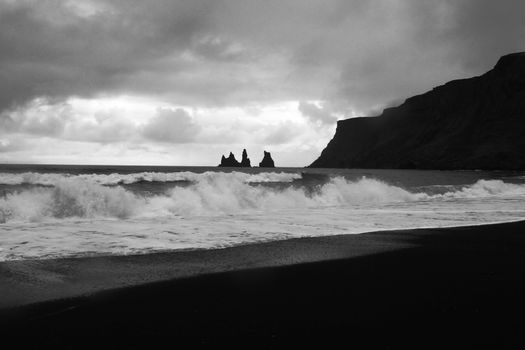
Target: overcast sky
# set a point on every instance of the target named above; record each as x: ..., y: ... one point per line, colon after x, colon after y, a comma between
x: 182, y: 82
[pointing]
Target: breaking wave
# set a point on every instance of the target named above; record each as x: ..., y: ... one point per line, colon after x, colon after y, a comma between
x: 51, y: 179
x: 69, y: 199
x: 486, y: 188
x: 212, y: 193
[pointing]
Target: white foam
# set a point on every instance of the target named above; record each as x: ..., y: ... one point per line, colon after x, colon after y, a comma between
x: 487, y: 188
x: 212, y: 193
x: 215, y: 193
x: 51, y: 179
x: 69, y: 198
x: 78, y: 216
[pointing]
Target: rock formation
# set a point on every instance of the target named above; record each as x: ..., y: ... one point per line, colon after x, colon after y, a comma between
x: 475, y: 123
x: 267, y: 161
x: 232, y: 162
x: 245, y: 162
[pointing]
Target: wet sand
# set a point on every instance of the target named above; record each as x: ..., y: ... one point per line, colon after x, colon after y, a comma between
x: 430, y: 288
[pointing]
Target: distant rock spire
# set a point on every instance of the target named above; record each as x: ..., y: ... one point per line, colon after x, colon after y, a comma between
x: 267, y: 161
x: 232, y: 162
x: 245, y: 162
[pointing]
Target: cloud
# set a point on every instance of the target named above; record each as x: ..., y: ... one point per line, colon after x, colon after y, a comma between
x: 171, y: 125
x: 354, y: 55
x: 62, y: 120
x: 12, y: 144
x: 416, y: 45
x: 48, y: 49
x: 103, y: 131
x: 39, y: 117
x: 222, y: 52
x: 281, y: 133
x: 317, y: 113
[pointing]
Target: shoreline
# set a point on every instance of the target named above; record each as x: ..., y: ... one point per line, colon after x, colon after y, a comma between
x: 185, y: 250
x: 65, y: 277
x: 468, y: 278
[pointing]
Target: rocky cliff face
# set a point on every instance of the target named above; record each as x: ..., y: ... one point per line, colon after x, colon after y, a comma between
x: 476, y: 123
x: 267, y: 161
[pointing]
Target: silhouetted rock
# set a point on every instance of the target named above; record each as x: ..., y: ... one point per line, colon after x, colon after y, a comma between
x: 476, y: 123
x: 230, y: 161
x: 267, y: 161
x: 245, y: 162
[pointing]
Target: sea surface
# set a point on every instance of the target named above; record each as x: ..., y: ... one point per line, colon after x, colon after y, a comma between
x: 49, y: 211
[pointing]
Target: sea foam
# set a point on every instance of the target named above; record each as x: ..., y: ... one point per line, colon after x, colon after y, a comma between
x: 51, y: 179
x: 100, y: 215
x: 216, y: 193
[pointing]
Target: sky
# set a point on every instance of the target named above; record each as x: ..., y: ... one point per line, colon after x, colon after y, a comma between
x: 169, y: 82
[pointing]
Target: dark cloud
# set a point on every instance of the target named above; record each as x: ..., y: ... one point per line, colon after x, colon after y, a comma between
x: 429, y: 43
x: 484, y: 30
x: 356, y: 54
x: 171, y: 125
x: 374, y: 112
x: 49, y: 50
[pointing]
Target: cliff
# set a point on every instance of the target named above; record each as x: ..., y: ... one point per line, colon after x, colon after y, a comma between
x: 475, y: 123
x: 267, y: 161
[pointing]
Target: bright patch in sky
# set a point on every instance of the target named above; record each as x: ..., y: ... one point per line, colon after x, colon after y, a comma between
x: 134, y: 130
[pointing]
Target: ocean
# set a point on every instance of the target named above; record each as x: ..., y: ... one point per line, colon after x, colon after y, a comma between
x: 49, y: 211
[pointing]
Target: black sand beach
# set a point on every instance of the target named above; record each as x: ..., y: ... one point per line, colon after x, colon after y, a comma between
x: 430, y: 288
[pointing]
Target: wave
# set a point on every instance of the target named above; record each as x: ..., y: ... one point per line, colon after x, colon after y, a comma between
x: 485, y: 188
x: 218, y: 193
x: 52, y: 179
x: 69, y: 199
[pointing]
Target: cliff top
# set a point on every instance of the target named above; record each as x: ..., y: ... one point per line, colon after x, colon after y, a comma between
x: 511, y: 61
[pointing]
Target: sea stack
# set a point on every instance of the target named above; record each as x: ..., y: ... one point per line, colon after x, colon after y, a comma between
x: 232, y: 162
x: 229, y: 162
x: 474, y: 123
x: 245, y: 162
x: 267, y: 161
